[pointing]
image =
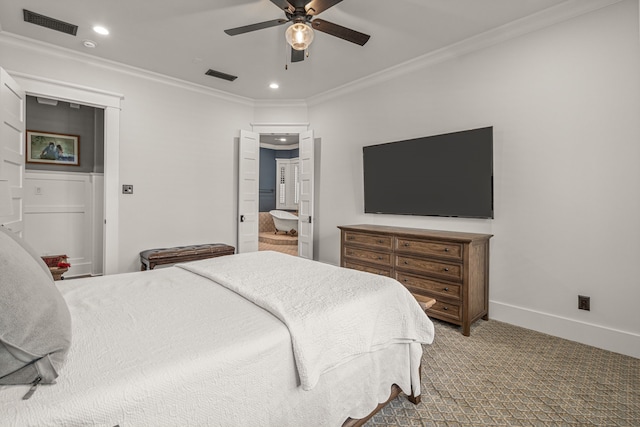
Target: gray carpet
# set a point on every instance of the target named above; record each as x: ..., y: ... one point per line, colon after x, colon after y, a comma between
x: 503, y: 375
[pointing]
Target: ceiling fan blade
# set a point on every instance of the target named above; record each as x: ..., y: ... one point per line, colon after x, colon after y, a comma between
x: 254, y: 27
x: 284, y: 5
x: 297, y: 55
x: 336, y: 30
x: 315, y: 7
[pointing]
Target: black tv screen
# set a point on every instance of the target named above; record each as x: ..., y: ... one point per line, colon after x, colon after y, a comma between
x: 444, y: 175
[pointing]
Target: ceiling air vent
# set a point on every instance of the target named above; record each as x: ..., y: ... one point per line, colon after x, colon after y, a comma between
x: 218, y: 74
x: 51, y: 23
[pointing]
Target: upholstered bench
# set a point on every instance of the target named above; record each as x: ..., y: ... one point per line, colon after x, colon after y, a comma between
x: 152, y: 257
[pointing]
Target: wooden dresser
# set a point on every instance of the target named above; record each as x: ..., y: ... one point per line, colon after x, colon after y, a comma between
x: 449, y: 266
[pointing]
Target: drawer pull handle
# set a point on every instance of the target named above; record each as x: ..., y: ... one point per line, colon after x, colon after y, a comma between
x: 406, y: 263
x: 406, y: 244
x: 445, y: 308
x: 446, y: 289
x: 379, y: 257
x: 446, y: 249
x: 380, y: 241
x: 446, y: 269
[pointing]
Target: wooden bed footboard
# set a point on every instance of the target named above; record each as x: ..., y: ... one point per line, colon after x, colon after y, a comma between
x: 395, y: 391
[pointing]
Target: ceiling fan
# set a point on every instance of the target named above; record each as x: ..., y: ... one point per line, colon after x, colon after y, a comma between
x: 300, y: 34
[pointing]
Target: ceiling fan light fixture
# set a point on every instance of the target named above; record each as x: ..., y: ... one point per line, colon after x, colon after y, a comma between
x: 299, y: 36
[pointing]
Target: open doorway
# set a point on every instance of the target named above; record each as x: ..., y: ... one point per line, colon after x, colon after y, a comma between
x: 279, y: 192
x: 110, y: 103
x: 63, y: 209
x: 248, y: 192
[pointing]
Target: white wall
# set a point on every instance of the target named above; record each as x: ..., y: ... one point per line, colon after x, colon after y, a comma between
x: 565, y: 106
x: 280, y: 112
x: 176, y: 148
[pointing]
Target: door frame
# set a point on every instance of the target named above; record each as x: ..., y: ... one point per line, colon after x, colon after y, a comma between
x: 269, y: 128
x: 110, y: 102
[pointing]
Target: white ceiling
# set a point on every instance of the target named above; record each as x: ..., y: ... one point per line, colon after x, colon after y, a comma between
x: 184, y: 38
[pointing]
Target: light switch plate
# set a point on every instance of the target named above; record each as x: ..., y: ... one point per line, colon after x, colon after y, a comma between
x: 127, y: 189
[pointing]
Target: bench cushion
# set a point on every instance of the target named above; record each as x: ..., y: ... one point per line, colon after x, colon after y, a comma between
x: 162, y: 253
x: 152, y: 257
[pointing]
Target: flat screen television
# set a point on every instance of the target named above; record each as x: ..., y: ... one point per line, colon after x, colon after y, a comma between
x: 448, y: 175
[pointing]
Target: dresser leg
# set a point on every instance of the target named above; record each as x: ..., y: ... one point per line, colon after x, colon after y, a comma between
x: 485, y: 317
x: 466, y: 329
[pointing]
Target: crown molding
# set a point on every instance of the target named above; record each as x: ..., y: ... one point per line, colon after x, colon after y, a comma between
x: 553, y: 15
x: 39, y: 47
x: 564, y: 11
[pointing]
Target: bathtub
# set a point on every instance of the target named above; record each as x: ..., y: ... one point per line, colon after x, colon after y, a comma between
x: 284, y: 221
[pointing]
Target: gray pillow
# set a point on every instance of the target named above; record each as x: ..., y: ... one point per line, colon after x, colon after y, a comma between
x: 35, y: 324
x: 29, y: 249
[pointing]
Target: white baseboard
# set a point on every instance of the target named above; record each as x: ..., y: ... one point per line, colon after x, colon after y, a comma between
x: 622, y: 342
x: 79, y: 268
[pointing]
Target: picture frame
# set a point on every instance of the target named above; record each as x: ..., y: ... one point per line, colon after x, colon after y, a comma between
x: 53, y: 148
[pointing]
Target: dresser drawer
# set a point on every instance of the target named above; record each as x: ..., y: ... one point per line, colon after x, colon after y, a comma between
x: 446, y: 266
x: 430, y: 267
x: 429, y: 248
x: 445, y: 311
x: 371, y: 240
x: 367, y: 256
x: 432, y: 287
x: 382, y: 271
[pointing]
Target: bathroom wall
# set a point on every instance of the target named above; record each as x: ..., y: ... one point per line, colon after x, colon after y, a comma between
x: 268, y: 158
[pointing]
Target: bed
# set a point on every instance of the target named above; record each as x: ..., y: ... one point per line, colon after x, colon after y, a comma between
x: 215, y: 343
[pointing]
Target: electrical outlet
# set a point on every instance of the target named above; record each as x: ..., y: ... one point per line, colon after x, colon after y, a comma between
x: 584, y: 303
x: 127, y: 189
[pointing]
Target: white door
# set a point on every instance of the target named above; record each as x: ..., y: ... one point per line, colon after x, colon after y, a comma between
x: 12, y: 145
x: 248, y: 182
x: 305, y: 210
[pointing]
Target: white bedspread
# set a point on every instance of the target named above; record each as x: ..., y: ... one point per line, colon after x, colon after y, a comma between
x: 171, y: 348
x: 333, y: 314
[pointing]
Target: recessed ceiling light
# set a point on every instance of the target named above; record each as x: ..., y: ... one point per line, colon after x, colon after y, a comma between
x: 274, y: 85
x: 101, y: 30
x: 283, y: 139
x: 89, y: 43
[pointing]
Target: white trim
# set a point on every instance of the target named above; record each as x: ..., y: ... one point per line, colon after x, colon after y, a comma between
x: 545, y: 18
x: 45, y: 86
x: 279, y: 127
x: 279, y: 147
x: 615, y: 340
x: 50, y: 49
x: 39, y: 86
x: 111, y: 236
